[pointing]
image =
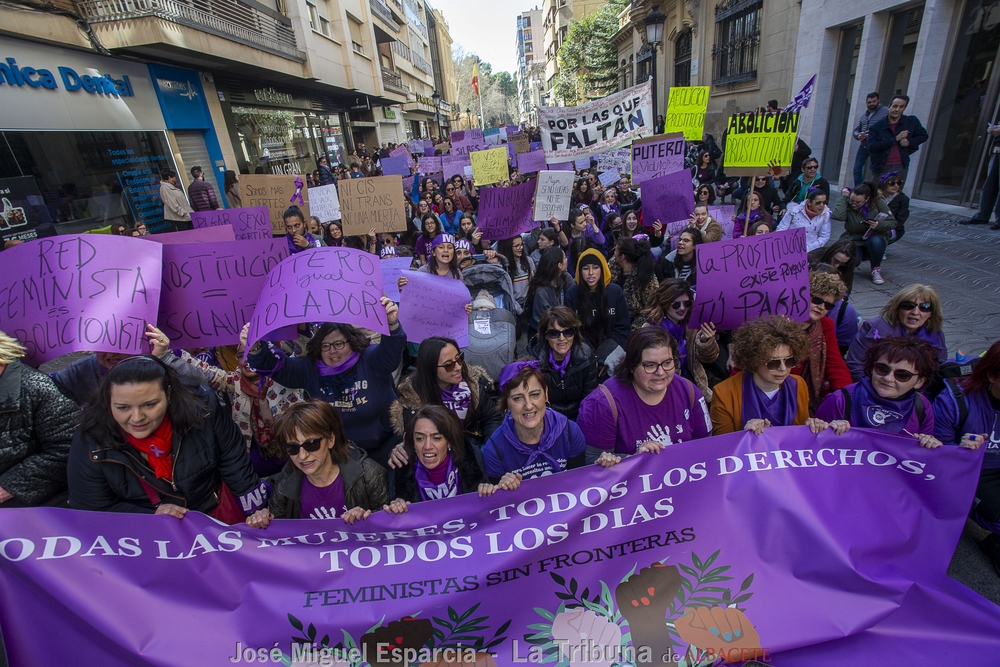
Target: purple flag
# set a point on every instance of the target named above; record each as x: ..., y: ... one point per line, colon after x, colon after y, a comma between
x: 209, y: 289
x: 320, y: 285
x: 80, y: 292
x: 253, y: 222
x: 434, y: 306
x: 531, y: 162
x: 669, y: 197
x: 392, y: 166
x: 659, y: 157
x: 808, y: 551
x: 562, y: 166
x: 506, y: 212
x: 752, y: 277
x: 801, y: 101
x: 200, y: 235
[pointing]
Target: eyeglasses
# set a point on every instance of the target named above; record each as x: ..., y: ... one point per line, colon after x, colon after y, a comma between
x: 924, y: 306
x: 811, y: 166
x: 678, y: 305
x: 788, y: 363
x: 553, y: 334
x: 311, y: 445
x: 449, y: 189
x: 651, y: 366
x: 901, y: 375
x: 336, y: 345
x: 449, y: 365
x: 818, y: 301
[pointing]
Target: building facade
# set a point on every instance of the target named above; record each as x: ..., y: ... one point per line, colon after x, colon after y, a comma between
x: 741, y: 49
x: 942, y: 54
x: 530, y: 64
x: 557, y: 15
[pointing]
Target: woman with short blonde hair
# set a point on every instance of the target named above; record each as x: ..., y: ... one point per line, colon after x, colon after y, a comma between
x: 10, y: 349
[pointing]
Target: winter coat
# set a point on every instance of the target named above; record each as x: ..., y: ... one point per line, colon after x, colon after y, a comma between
x: 877, y: 328
x: 470, y: 476
x: 854, y: 221
x: 711, y: 232
x: 106, y: 476
x: 326, y: 176
x: 881, y: 138
x: 80, y: 380
x: 202, y: 195
x: 566, y: 392
x: 899, y: 206
x: 795, y: 187
x: 175, y: 204
x: 817, y: 228
x: 365, y: 486
x: 233, y: 197
x: 482, y: 419
x: 36, y: 427
x: 618, y: 314
x: 638, y: 299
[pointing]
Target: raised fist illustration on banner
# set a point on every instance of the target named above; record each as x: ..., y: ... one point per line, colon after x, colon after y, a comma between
x: 643, y: 599
x: 406, y: 633
x: 725, y: 630
x: 586, y: 639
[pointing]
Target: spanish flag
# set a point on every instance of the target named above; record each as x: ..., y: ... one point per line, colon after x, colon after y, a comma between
x: 475, y: 76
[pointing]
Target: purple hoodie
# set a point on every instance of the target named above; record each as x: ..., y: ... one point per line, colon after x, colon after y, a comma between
x: 561, y: 441
x: 982, y: 418
x: 876, y: 328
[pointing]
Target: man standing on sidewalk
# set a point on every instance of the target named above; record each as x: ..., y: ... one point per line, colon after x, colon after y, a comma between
x: 893, y: 139
x: 201, y: 193
x: 874, y: 112
x: 989, y: 202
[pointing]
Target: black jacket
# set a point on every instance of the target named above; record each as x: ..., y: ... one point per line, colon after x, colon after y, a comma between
x: 619, y: 318
x: 470, y: 476
x: 36, y: 427
x: 565, y: 393
x: 795, y: 186
x: 881, y: 139
x: 900, y: 209
x: 105, y: 477
x: 364, y: 486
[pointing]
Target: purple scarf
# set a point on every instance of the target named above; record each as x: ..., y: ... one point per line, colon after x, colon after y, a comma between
x: 677, y: 332
x: 560, y: 366
x: 780, y: 410
x: 430, y: 490
x: 884, y: 414
x: 327, y: 371
x: 292, y: 248
x: 553, y: 428
x: 457, y: 398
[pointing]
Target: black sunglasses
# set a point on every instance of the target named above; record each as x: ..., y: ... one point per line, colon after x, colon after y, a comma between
x: 775, y: 364
x: 924, y: 306
x: 311, y: 445
x: 449, y: 365
x: 818, y: 301
x: 677, y: 305
x: 553, y: 334
x: 900, y: 374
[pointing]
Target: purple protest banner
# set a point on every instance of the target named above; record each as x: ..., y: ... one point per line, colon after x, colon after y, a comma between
x: 754, y: 531
x: 535, y: 146
x: 395, y: 166
x: 429, y: 164
x: 506, y: 212
x: 531, y: 162
x: 201, y: 235
x: 80, y: 292
x: 582, y: 163
x: 511, y: 152
x: 455, y: 165
x: 428, y: 147
x: 209, y: 289
x: 752, y: 277
x: 320, y: 285
x: 434, y: 306
x: 416, y: 146
x: 657, y: 156
x: 669, y: 197
x: 247, y: 223
x: 402, y: 150
x: 392, y: 268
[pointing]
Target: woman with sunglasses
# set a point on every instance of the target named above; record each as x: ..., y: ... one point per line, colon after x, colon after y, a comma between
x: 462, y: 202
x: 867, y: 223
x: 326, y: 476
x: 566, y: 361
x: 812, y: 215
x: 891, y: 190
x: 704, y: 196
x: 646, y: 406
x: 703, y: 171
x: 534, y: 440
x: 449, y: 216
x: 888, y: 398
x: 441, y: 377
x: 914, y: 311
x: 824, y: 369
x: 671, y: 310
x: 342, y: 367
x: 764, y: 393
x: 150, y: 443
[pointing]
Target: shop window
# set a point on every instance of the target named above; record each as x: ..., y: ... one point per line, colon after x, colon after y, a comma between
x: 737, y: 41
x: 287, y: 141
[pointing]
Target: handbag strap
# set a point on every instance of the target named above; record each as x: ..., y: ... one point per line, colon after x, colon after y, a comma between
x: 611, y: 402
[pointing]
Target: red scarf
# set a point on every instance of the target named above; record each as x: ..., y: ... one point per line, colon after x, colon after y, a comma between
x: 157, y: 449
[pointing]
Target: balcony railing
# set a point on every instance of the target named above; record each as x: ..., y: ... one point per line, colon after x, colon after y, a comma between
x: 225, y: 18
x: 420, y: 63
x: 393, y: 82
x: 381, y: 10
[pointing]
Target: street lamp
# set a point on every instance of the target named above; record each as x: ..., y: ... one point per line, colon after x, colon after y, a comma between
x: 654, y: 36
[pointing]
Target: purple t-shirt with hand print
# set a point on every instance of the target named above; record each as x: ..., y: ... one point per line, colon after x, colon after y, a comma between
x: 682, y: 415
x: 323, y: 502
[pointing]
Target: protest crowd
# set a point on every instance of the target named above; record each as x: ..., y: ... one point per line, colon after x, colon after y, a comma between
x: 585, y: 343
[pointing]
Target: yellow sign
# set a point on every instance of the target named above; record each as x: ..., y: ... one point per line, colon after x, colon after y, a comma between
x: 756, y: 140
x: 490, y: 166
x: 686, y: 109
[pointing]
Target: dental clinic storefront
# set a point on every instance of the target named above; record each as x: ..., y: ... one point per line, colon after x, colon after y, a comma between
x: 82, y: 141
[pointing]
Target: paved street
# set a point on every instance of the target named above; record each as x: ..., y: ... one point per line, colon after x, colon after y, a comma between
x: 963, y: 264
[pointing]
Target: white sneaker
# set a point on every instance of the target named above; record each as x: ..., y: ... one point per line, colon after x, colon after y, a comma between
x: 877, y: 276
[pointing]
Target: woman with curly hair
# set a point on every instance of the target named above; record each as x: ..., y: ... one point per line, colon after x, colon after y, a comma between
x: 915, y: 311
x: 671, y: 309
x: 633, y: 268
x: 824, y: 369
x: 764, y: 393
x: 887, y: 398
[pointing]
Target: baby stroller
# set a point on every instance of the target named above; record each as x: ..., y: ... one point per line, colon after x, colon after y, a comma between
x: 492, y: 340
x: 494, y: 279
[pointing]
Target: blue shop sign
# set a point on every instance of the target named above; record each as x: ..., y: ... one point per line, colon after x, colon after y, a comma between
x: 14, y: 75
x: 182, y: 99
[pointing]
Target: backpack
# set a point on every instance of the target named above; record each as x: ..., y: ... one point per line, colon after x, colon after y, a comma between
x: 961, y: 406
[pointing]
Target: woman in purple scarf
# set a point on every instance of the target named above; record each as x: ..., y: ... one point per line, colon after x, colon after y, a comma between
x: 887, y: 399
x: 444, y: 464
x: 567, y: 362
x: 533, y: 440
x: 967, y: 413
x: 296, y: 232
x: 914, y: 311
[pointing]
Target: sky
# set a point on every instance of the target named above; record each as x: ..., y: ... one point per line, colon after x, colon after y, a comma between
x: 487, y: 28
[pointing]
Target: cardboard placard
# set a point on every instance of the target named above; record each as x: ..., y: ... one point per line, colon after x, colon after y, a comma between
x: 376, y: 202
x: 275, y: 191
